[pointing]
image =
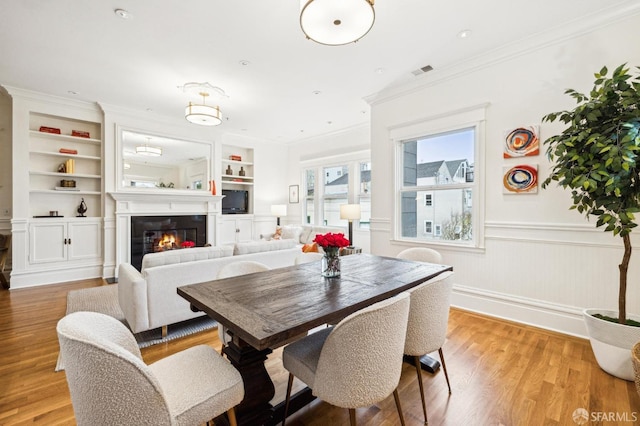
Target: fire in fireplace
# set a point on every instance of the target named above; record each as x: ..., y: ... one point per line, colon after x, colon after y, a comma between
x: 151, y: 234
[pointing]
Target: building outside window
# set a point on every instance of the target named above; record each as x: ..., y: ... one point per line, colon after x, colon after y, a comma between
x: 364, y: 197
x: 437, y: 186
x: 309, y: 196
x: 335, y: 193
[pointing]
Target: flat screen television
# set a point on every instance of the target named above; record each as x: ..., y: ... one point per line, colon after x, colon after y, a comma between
x: 235, y: 201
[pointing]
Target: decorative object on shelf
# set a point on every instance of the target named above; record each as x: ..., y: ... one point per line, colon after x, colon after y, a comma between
x: 62, y: 168
x: 279, y: 210
x: 165, y: 185
x: 212, y: 187
x: 336, y: 22
x: 82, y: 209
x: 235, y: 158
x: 203, y: 114
x: 66, y: 183
x: 229, y: 171
x: 80, y: 134
x: 53, y: 130
x: 350, y: 212
x: 331, y: 244
x: 187, y: 244
x: 237, y: 180
x: 241, y: 172
x: 293, y: 194
x: 53, y: 213
x: 69, y: 166
x: 68, y: 151
x: 62, y: 188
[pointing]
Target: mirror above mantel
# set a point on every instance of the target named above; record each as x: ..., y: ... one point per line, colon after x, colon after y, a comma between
x: 151, y: 162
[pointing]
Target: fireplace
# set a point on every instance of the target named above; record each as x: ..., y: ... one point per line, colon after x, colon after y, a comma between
x: 152, y: 234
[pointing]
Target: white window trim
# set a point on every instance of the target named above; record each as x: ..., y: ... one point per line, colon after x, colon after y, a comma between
x: 471, y: 117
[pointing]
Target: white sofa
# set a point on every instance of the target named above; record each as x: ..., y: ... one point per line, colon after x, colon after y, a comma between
x: 304, y: 234
x: 149, y: 298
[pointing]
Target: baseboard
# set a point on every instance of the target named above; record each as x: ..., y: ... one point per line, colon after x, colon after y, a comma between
x: 34, y: 279
x: 554, y: 317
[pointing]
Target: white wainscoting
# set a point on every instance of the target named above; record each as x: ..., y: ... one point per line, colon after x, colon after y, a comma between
x: 537, y: 274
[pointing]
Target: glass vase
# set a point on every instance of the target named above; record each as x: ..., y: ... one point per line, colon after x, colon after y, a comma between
x: 331, y: 262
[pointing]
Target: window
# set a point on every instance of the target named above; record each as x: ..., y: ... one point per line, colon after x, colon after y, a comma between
x: 437, y: 186
x: 336, y: 193
x: 347, y: 182
x: 364, y: 197
x: 428, y: 227
x: 309, y: 194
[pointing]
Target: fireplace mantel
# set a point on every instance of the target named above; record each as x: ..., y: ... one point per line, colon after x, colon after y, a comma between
x: 161, y: 202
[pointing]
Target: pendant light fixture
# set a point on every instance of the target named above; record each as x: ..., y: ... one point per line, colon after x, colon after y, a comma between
x: 336, y: 22
x: 203, y: 114
x: 150, y: 151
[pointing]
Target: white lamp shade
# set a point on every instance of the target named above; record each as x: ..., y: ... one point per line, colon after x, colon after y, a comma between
x: 336, y: 22
x: 279, y: 210
x: 350, y: 211
x: 204, y: 115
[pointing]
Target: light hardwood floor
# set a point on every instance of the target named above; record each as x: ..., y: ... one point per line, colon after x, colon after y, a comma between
x: 501, y: 373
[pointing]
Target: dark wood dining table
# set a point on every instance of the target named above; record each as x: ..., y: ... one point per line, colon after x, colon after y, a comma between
x: 266, y: 310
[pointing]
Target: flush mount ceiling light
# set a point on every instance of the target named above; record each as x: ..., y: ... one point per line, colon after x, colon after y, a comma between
x: 336, y: 22
x: 203, y: 114
x: 147, y: 150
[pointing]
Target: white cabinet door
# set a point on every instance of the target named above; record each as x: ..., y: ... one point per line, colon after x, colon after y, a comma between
x: 236, y: 229
x: 47, y: 242
x: 245, y: 229
x: 84, y: 241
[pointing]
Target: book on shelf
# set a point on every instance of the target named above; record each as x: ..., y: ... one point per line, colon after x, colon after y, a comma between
x: 66, y: 188
x: 68, y: 151
x: 80, y: 134
x: 53, y: 130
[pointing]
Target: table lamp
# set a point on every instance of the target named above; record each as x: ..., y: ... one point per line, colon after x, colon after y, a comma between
x: 279, y: 210
x: 350, y: 212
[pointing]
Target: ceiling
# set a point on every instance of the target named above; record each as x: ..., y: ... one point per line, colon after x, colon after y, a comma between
x: 279, y: 86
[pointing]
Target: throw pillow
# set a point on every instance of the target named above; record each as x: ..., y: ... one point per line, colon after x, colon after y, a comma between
x: 278, y: 234
x: 310, y: 248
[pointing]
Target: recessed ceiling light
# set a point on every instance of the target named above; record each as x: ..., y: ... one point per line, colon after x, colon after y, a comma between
x: 379, y: 70
x: 316, y: 92
x: 329, y: 122
x: 71, y: 92
x: 464, y: 34
x: 123, y: 14
x: 244, y: 62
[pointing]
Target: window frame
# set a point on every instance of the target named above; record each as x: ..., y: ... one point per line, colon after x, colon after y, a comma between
x: 468, y: 118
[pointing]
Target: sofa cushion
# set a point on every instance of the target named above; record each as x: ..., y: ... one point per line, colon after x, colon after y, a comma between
x: 290, y: 232
x: 260, y: 246
x: 309, y: 232
x: 185, y: 255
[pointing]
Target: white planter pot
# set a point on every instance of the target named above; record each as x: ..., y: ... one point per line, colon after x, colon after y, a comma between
x: 612, y: 342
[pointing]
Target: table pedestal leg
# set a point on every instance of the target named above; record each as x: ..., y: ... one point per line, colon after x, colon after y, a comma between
x: 255, y: 408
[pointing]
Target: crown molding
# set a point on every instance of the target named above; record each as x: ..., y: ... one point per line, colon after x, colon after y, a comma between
x: 556, y: 35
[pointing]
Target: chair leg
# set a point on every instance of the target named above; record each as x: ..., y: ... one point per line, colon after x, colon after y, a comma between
x: 416, y: 361
x: 164, y: 331
x: 397, y: 398
x: 352, y: 416
x: 232, y: 416
x: 444, y: 368
x: 286, y: 404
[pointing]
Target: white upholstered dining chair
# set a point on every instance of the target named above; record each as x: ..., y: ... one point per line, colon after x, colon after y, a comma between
x: 427, y: 326
x: 356, y: 363
x: 421, y: 254
x: 111, y: 385
x: 236, y: 269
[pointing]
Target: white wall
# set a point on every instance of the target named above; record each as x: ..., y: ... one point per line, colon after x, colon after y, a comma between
x: 541, y: 263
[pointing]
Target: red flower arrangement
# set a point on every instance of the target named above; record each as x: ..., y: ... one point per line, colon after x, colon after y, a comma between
x: 331, y: 240
x: 187, y: 244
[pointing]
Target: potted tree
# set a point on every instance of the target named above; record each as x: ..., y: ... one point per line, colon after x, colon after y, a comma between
x: 598, y: 158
